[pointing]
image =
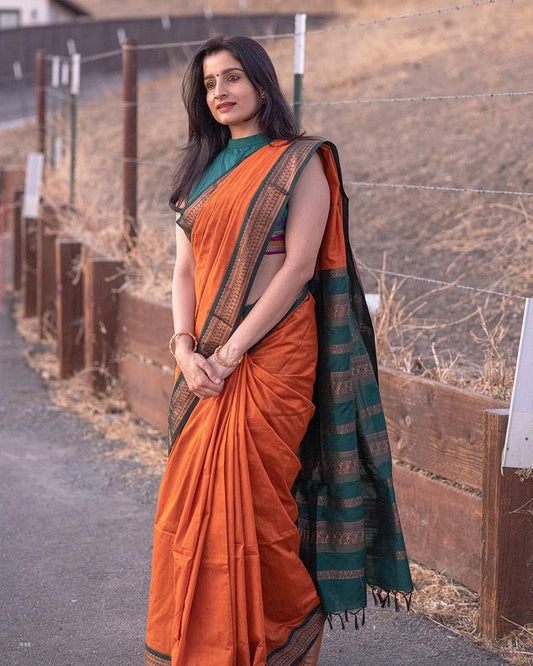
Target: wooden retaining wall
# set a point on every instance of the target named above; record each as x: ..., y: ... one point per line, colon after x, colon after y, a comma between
x: 460, y: 514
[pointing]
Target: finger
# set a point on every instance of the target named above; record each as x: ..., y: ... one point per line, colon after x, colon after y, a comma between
x: 210, y: 371
x: 205, y: 385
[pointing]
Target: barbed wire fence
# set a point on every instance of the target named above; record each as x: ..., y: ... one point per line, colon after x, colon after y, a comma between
x: 60, y: 127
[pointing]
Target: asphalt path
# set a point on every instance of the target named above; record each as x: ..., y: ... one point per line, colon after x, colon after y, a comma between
x: 75, y: 548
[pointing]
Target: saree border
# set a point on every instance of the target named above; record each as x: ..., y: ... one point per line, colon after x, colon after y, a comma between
x: 154, y: 658
x: 299, y: 642
x: 251, y: 244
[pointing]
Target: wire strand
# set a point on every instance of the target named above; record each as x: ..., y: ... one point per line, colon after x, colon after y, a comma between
x: 101, y: 56
x: 443, y: 283
x: 438, y: 188
x: 409, y: 15
x: 424, y: 98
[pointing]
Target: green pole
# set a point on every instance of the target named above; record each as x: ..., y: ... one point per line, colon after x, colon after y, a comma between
x: 299, y: 57
x: 74, y: 92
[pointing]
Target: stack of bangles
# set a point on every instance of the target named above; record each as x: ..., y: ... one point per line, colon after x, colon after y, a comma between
x: 172, y: 349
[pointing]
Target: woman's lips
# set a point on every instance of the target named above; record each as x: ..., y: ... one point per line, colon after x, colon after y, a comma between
x: 225, y: 107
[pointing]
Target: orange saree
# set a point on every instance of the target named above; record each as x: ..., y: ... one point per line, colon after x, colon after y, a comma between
x: 229, y: 587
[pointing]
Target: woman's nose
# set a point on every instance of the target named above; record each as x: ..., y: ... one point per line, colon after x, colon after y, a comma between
x: 219, y: 88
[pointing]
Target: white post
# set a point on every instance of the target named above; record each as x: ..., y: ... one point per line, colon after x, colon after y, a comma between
x: 299, y: 61
x: 32, y: 185
x: 17, y: 70
x: 65, y: 73
x: 121, y: 36
x: 518, y: 449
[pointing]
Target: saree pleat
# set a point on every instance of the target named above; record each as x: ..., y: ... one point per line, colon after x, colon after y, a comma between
x: 225, y: 525
x: 276, y: 506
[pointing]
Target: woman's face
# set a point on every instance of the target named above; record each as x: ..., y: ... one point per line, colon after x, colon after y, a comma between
x: 231, y: 97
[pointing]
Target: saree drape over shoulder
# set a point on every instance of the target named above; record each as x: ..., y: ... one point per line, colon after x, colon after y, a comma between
x: 277, y: 505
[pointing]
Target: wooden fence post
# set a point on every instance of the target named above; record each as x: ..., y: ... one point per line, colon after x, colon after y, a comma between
x: 29, y: 267
x: 69, y: 307
x: 17, y: 240
x: 506, y: 598
x: 46, y: 279
x: 129, y: 97
x: 102, y: 280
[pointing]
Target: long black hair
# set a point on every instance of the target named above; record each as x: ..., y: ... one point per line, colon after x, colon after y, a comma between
x: 206, y: 136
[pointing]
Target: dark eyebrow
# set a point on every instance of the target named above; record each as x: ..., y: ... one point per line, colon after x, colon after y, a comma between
x: 225, y: 71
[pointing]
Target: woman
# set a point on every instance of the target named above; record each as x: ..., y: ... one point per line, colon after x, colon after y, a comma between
x: 276, y: 507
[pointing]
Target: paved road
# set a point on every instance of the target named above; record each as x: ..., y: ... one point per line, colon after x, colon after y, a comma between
x: 76, y: 541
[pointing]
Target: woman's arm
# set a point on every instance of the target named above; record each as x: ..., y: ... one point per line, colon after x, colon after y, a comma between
x: 198, y: 373
x: 306, y: 222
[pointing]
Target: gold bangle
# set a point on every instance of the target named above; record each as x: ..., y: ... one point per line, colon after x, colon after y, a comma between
x: 224, y: 363
x: 172, y: 342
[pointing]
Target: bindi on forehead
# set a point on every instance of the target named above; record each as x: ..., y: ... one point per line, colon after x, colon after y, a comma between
x: 210, y: 75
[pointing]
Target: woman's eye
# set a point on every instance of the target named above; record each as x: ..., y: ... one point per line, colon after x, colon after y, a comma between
x: 233, y: 77
x: 209, y: 85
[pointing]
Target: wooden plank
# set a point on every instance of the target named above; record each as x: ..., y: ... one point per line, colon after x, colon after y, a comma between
x: 147, y: 389
x: 46, y: 280
x: 436, y: 427
x: 102, y: 280
x: 442, y: 525
x: 11, y: 180
x: 17, y: 241
x: 147, y: 341
x: 507, y: 530
x: 29, y: 267
x: 69, y: 307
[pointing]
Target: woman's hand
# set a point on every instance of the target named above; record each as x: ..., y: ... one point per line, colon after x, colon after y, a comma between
x: 223, y: 371
x: 201, y: 377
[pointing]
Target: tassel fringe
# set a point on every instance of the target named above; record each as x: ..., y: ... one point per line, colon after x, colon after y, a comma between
x: 344, y: 618
x: 381, y: 597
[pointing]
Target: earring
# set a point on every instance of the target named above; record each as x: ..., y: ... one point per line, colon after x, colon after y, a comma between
x: 262, y: 95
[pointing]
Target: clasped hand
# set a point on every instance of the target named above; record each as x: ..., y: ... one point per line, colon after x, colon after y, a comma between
x: 204, y: 376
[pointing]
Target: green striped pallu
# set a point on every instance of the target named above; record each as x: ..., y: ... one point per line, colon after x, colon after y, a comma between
x: 350, y: 531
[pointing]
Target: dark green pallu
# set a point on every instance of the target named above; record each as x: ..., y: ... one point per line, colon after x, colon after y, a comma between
x: 349, y: 527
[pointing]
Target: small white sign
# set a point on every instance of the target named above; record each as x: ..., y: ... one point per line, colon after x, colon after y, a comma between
x: 373, y: 302
x: 518, y: 449
x: 32, y: 185
x: 121, y: 36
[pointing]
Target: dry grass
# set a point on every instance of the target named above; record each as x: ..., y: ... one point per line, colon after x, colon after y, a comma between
x: 456, y: 608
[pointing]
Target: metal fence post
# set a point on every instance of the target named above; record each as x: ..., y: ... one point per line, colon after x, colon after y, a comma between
x: 74, y: 92
x: 40, y: 88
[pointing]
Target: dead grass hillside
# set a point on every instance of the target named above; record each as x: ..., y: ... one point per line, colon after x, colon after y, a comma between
x: 118, y: 8
x: 483, y: 241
